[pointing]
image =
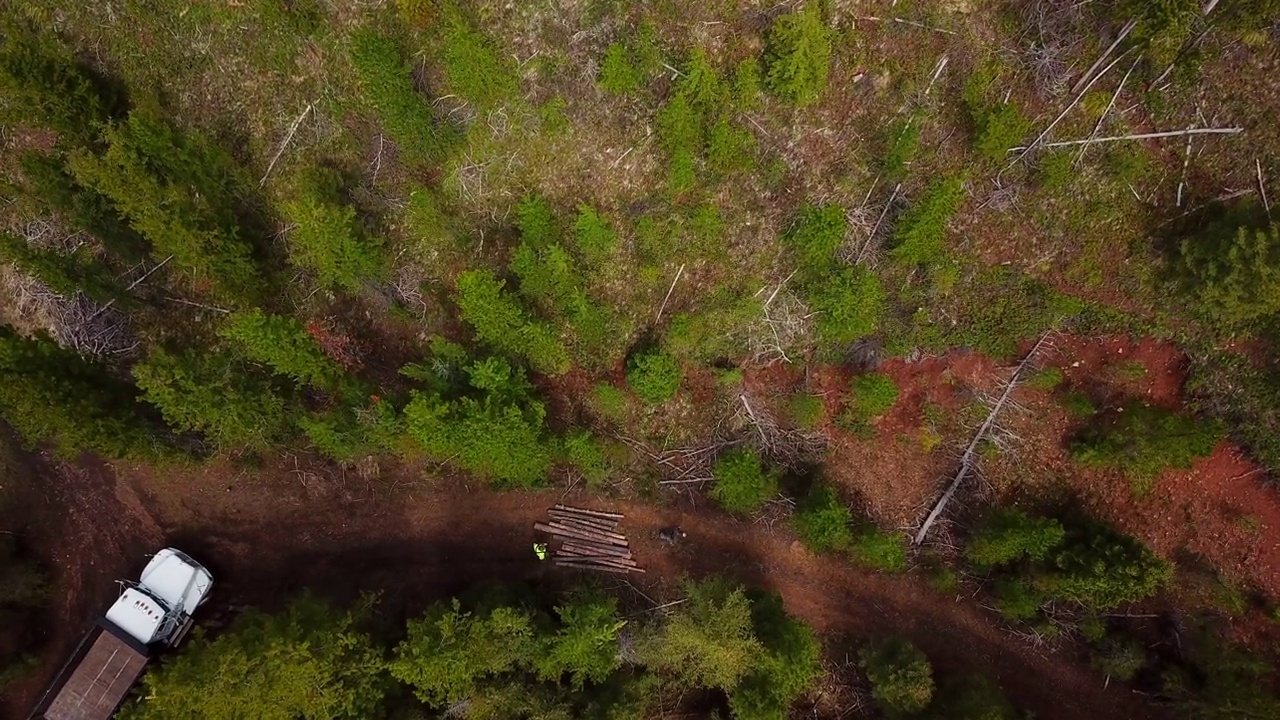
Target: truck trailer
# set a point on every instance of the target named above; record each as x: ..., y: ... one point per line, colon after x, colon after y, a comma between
x: 150, y: 615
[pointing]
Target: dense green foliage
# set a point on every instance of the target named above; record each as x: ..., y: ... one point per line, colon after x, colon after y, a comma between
x: 495, y: 429
x: 870, y: 396
x: 1143, y: 440
x: 618, y: 74
x: 473, y: 67
x: 181, y: 192
x: 920, y: 235
x: 502, y: 322
x: 1008, y: 535
x: 53, y: 395
x: 587, y: 455
x: 1100, y: 568
x: 901, y: 676
x: 799, y: 55
x: 788, y: 666
x: 42, y: 78
x: 64, y: 274
x: 823, y: 522
x: 1232, y: 273
x: 309, y: 662
x: 327, y: 238
x: 654, y: 376
x: 709, y: 641
x: 848, y: 300
x: 880, y: 550
x: 283, y: 344
x: 388, y: 86
x: 213, y: 394
x: 742, y: 483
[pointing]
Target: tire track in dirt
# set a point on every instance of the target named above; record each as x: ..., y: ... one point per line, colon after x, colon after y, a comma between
x: 277, y: 533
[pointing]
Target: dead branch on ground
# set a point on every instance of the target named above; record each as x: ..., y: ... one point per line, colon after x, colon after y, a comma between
x: 968, y: 460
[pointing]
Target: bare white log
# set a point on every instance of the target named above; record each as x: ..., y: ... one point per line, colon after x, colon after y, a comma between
x: 1102, y: 118
x: 1087, y: 77
x: 1262, y: 188
x: 1141, y: 136
x: 670, y: 290
x: 969, y: 458
x: 285, y: 143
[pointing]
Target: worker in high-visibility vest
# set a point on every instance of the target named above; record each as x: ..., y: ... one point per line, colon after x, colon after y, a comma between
x: 540, y: 549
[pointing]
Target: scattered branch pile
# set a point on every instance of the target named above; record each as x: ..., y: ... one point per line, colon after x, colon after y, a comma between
x: 588, y: 539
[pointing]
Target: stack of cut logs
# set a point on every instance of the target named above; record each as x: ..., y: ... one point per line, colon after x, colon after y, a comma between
x: 588, y: 539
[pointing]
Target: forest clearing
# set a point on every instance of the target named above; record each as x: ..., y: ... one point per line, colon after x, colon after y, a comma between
x: 622, y: 360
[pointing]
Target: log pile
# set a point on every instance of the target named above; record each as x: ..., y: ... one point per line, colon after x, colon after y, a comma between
x: 588, y: 540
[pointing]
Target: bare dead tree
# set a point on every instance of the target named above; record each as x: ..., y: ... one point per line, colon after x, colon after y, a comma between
x: 969, y: 459
x: 785, y: 322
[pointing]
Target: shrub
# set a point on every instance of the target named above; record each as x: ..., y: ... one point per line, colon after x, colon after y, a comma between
x: 700, y: 82
x: 212, y: 394
x: 1119, y: 659
x: 903, y: 141
x: 283, y: 344
x: 998, y: 129
x: 54, y: 395
x: 308, y: 662
x: 1016, y: 599
x: 536, y: 221
x: 387, y: 82
x: 798, y: 56
x: 870, y: 396
x: 730, y: 149
x: 971, y: 697
x: 593, y: 235
x: 585, y: 453
x: 426, y: 222
x: 496, y: 431
x: 787, y: 669
x: 618, y: 75
x: 1232, y: 273
x: 920, y: 235
x: 180, y: 192
x: 1143, y: 441
x: 327, y: 239
x: 1100, y: 568
x: 1164, y: 26
x: 880, y: 550
x: 1008, y: 534
x: 49, y: 182
x: 449, y: 652
x: 814, y: 238
x: 350, y: 431
x: 901, y: 676
x: 654, y: 376
x: 609, y: 401
x: 849, y: 303
x: 717, y: 331
x: 1077, y: 403
x: 822, y: 521
x: 708, y: 641
x: 806, y: 410
x: 474, y: 68
x: 500, y: 320
x: 742, y: 483
x: 1047, y: 379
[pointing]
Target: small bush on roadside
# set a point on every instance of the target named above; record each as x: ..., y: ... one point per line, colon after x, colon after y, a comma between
x: 1016, y: 599
x: 708, y: 642
x: 798, y: 55
x: 618, y: 74
x: 352, y: 431
x: 823, y: 522
x: 1100, y: 568
x: 742, y: 483
x: 1144, y: 440
x: 789, y: 663
x: 901, y: 676
x: 1008, y: 534
x: 880, y: 550
x: 387, y: 81
x: 585, y: 453
x: 654, y: 376
x: 496, y: 430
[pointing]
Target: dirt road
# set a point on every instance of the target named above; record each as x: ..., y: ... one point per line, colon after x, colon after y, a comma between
x: 269, y: 532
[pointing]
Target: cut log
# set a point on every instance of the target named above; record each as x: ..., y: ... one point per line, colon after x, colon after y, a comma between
x: 576, y: 534
x: 572, y: 525
x: 597, y: 548
x: 588, y: 563
x: 605, y: 559
x: 601, y: 568
x: 602, y: 523
x: 592, y: 513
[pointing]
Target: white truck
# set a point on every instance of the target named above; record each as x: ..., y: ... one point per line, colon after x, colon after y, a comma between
x: 151, y: 614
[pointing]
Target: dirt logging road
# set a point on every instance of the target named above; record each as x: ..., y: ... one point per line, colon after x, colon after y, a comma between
x: 269, y: 534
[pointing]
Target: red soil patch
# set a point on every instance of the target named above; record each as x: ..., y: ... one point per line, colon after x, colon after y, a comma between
x: 1106, y: 368
x: 271, y: 531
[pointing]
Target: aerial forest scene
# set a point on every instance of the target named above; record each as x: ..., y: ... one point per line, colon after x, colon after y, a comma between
x: 640, y: 360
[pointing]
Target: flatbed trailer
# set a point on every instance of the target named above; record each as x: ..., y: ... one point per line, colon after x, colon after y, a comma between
x: 97, y: 678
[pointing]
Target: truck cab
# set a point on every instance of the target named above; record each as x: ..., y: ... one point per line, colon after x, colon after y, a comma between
x: 151, y: 614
